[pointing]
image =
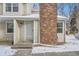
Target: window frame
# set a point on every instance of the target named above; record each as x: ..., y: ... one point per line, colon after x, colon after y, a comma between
x: 7, y: 28
x: 12, y: 7
x: 15, y: 7
x: 7, y: 6
x: 60, y: 27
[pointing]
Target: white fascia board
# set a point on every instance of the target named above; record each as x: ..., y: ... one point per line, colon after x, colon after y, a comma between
x: 62, y: 18
x: 32, y: 16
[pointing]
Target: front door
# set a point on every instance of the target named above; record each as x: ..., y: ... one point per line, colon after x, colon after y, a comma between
x: 28, y: 28
x: 61, y: 31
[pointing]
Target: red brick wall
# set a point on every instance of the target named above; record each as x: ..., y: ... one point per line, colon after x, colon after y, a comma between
x: 48, y: 23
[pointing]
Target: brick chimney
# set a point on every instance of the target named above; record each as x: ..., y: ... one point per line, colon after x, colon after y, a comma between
x: 48, y: 23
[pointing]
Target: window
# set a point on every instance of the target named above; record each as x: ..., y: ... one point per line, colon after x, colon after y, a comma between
x: 11, y: 7
x: 9, y: 27
x: 8, y: 7
x: 15, y: 7
x: 59, y: 27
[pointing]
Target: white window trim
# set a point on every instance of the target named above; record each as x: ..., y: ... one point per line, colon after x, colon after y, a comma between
x: 6, y: 6
x: 6, y: 27
x: 64, y: 29
x: 11, y: 7
x: 62, y: 26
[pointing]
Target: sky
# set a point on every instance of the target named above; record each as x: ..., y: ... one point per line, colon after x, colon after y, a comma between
x: 66, y: 8
x: 35, y: 5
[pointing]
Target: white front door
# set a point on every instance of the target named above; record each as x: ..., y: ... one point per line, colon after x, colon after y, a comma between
x: 61, y: 31
x: 28, y: 28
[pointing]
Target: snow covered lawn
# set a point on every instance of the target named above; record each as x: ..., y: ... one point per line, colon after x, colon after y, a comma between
x: 72, y: 44
x: 6, y: 50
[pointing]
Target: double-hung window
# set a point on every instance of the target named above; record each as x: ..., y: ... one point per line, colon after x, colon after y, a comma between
x: 59, y: 27
x: 8, y: 7
x: 9, y: 27
x: 15, y: 7
x: 11, y: 7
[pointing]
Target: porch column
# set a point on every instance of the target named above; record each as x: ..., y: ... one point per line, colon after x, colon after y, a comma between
x: 16, y: 32
x: 35, y: 40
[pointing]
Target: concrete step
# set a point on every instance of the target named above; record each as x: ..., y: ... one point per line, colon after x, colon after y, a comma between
x: 6, y: 42
x: 22, y: 45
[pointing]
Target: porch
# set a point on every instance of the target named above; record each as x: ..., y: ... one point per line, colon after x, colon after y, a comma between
x: 26, y: 30
x: 22, y: 30
x: 26, y: 33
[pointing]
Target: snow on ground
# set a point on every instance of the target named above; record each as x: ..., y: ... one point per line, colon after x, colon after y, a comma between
x: 6, y: 50
x: 72, y: 44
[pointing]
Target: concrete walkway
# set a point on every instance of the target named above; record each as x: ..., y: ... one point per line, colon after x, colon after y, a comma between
x: 27, y: 52
x: 58, y: 54
x: 23, y: 52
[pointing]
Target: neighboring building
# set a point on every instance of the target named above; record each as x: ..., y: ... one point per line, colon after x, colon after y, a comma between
x: 20, y: 23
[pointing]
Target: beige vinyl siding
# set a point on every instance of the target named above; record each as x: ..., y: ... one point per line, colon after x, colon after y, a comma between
x: 2, y: 30
x: 3, y: 34
x: 1, y: 8
x: 23, y: 9
x: 12, y: 13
